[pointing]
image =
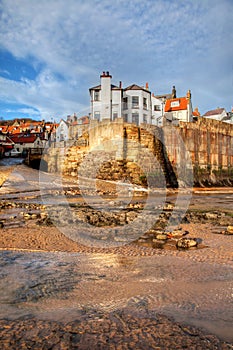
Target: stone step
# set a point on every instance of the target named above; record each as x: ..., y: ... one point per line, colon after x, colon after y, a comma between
x: 12, y: 224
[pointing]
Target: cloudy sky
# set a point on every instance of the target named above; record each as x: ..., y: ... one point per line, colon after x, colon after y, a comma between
x: 53, y: 51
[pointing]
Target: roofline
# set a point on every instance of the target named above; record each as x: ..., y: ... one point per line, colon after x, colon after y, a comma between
x: 138, y: 89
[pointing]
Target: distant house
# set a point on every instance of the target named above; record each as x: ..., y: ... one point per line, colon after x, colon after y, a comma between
x: 5, y: 144
x: 62, y: 131
x: 23, y: 141
x: 229, y: 118
x: 3, y: 129
x: 196, y: 114
x: 178, y: 109
x: 83, y: 120
x: 217, y: 114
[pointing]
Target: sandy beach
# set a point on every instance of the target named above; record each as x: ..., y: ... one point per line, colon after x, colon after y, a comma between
x: 60, y: 294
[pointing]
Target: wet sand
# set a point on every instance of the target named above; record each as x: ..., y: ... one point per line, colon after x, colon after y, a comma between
x: 58, y: 294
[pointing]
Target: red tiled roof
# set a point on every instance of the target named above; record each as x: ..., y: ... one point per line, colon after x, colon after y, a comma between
x: 183, y: 104
x: 3, y: 128
x: 23, y: 138
x: 196, y: 113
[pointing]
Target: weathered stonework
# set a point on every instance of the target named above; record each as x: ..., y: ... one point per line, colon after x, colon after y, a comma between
x: 121, y: 151
x: 210, y: 146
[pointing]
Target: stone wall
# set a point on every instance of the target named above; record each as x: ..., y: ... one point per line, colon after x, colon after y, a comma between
x: 148, y: 154
x: 210, y: 146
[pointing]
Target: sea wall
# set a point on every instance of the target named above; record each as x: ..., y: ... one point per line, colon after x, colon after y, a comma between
x: 147, y: 154
x: 209, y: 144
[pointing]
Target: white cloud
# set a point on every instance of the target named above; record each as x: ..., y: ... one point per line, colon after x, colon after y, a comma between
x: 70, y: 42
x: 4, y: 72
x: 46, y: 94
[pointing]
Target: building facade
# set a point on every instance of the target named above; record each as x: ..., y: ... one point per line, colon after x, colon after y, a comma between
x: 178, y: 109
x: 135, y: 104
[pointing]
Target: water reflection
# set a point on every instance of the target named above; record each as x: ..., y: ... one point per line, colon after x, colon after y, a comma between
x: 48, y: 283
x: 10, y: 161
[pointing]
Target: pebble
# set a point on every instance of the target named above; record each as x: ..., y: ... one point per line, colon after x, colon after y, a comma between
x: 115, y: 330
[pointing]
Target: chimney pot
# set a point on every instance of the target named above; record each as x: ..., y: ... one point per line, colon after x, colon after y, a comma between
x: 147, y: 86
x: 188, y: 96
x: 120, y: 85
x: 173, y: 91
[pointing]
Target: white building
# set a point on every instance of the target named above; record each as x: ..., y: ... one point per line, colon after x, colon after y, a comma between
x: 106, y: 99
x: 158, y: 105
x: 135, y: 104
x: 178, y: 109
x: 62, y: 131
x: 217, y: 114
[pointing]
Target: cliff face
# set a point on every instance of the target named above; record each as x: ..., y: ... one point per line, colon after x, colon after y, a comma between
x: 199, y: 153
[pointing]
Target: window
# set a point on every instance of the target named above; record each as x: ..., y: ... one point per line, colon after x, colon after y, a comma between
x: 157, y: 108
x: 144, y: 118
x: 144, y: 103
x: 96, y: 95
x: 175, y: 103
x: 135, y: 118
x: 135, y: 101
x: 125, y: 103
x: 115, y: 115
x: 97, y: 115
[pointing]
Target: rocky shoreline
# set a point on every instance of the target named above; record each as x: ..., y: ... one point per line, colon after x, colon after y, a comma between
x: 120, y: 330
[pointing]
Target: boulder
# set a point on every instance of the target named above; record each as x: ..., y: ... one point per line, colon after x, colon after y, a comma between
x: 229, y: 230
x: 161, y: 236
x: 186, y: 243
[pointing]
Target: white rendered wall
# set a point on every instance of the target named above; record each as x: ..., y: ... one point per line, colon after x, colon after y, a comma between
x: 117, y: 103
x: 140, y: 110
x: 106, y: 105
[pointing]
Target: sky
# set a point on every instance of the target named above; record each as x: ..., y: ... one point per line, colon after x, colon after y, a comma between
x: 53, y: 51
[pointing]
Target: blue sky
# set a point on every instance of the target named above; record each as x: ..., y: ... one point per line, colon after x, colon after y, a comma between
x: 53, y: 51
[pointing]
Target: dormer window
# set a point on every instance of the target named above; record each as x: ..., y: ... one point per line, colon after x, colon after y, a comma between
x: 175, y: 103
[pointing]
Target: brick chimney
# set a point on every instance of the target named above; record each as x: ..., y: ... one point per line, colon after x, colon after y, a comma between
x: 105, y: 75
x: 197, y: 111
x: 188, y: 95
